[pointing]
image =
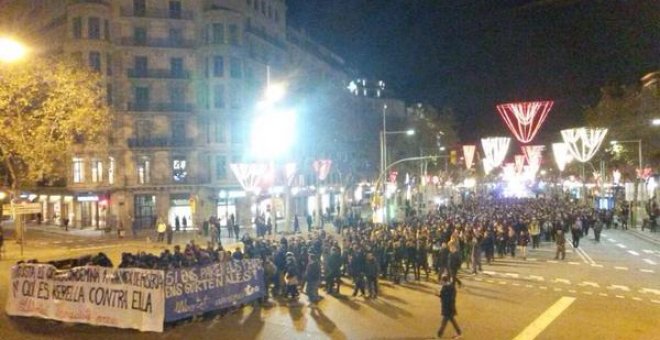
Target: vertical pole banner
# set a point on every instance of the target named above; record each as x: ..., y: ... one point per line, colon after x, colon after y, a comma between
x: 196, y: 290
x: 122, y: 298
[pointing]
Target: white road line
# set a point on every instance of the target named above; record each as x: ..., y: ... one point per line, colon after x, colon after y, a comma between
x: 619, y: 296
x: 488, y: 272
x: 611, y: 240
x: 560, y: 280
x: 647, y: 251
x: 516, y: 284
x: 490, y: 281
x: 603, y: 234
x: 602, y: 294
x: 649, y: 290
x: 544, y: 320
x: 575, y: 263
x: 584, y: 252
x: 478, y: 279
x: 597, y: 265
x: 543, y: 287
x: 514, y: 275
x: 577, y: 250
x: 552, y: 261
x: 536, y: 277
x: 621, y: 246
x: 502, y: 282
x: 532, y: 259
x: 637, y: 298
x: 647, y: 271
x: 529, y: 286
x: 620, y: 268
x: 655, y: 301
x: 619, y: 287
x: 587, y: 293
x: 589, y: 283
x: 649, y: 261
x: 633, y: 252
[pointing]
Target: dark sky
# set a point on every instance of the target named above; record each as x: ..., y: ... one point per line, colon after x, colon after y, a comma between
x: 473, y: 54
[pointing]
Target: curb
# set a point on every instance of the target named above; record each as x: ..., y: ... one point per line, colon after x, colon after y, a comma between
x: 644, y: 237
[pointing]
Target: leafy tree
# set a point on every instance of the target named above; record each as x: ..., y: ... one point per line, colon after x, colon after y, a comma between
x: 48, y: 108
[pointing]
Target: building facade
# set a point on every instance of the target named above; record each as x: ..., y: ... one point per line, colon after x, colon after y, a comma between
x: 182, y: 80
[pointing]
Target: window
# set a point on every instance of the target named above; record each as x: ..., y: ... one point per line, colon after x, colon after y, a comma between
x: 179, y: 168
x: 141, y: 65
x: 219, y: 135
x: 233, y: 34
x: 218, y: 33
x: 218, y: 66
x: 143, y: 129
x: 78, y: 170
x: 97, y: 171
x: 237, y: 133
x: 178, y: 130
x: 142, y: 96
x: 108, y: 64
x: 175, y: 37
x: 175, y: 9
x: 139, y: 8
x: 108, y: 98
x: 140, y: 35
x: 177, y: 95
x: 144, y: 170
x: 94, y: 28
x: 106, y: 30
x: 234, y: 97
x: 176, y: 67
x: 203, y: 97
x: 220, y: 167
x: 235, y: 68
x: 77, y: 28
x: 219, y: 96
x: 111, y: 170
x: 95, y: 61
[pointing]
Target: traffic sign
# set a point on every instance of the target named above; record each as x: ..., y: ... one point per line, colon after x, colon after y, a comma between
x: 21, y: 209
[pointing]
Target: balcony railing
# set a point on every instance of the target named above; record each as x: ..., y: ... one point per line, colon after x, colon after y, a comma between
x: 160, y: 142
x: 158, y: 73
x: 160, y: 107
x: 158, y: 42
x: 98, y: 2
x: 157, y: 13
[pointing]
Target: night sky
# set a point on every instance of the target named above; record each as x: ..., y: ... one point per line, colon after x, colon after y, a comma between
x: 473, y: 54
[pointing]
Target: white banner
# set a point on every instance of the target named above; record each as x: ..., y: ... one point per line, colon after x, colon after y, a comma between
x: 123, y: 298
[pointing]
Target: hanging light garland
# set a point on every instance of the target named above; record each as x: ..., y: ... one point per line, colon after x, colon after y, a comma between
x: 495, y: 150
x: 562, y: 155
x: 583, y: 143
x: 468, y: 155
x: 524, y: 119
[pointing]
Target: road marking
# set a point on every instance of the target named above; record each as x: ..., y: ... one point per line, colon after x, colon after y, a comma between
x: 490, y: 281
x: 557, y: 280
x: 552, y: 261
x: 516, y: 284
x: 649, y: 290
x: 575, y: 263
x: 603, y: 234
x: 478, y: 279
x: 597, y: 265
x: 543, y: 287
x: 536, y: 277
x: 611, y: 240
x: 647, y: 251
x: 621, y: 246
x: 532, y: 259
x: 545, y: 319
x: 602, y: 294
x: 588, y: 283
x: 488, y: 272
x: 655, y: 301
x: 647, y: 271
x: 587, y: 293
x: 529, y: 286
x: 619, y: 296
x: 621, y: 268
x: 633, y: 252
x: 514, y: 275
x: 620, y: 287
x: 649, y: 261
x: 637, y: 298
x: 572, y: 291
x: 502, y: 282
x: 558, y: 289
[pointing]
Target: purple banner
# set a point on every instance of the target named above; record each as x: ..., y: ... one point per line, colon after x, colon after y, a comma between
x: 196, y: 290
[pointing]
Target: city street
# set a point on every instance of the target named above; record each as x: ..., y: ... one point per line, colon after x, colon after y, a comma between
x: 613, y: 287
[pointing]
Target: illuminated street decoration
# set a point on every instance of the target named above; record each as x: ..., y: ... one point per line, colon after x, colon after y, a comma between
x: 525, y: 119
x: 519, y: 160
x: 509, y: 171
x: 495, y: 150
x: 322, y: 168
x: 290, y: 170
x: 562, y: 155
x: 583, y: 143
x: 249, y: 175
x: 644, y: 173
x: 468, y: 155
x: 534, y: 155
x: 487, y: 166
x: 616, y: 176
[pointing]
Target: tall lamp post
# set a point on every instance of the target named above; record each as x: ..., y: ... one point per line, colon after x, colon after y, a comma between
x: 634, y: 216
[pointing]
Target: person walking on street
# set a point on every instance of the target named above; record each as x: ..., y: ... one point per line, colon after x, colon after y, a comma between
x: 560, y: 241
x: 535, y: 232
x: 576, y: 231
x: 313, y: 279
x: 448, y: 302
x: 371, y: 271
x: 169, y: 234
x: 523, y: 241
x: 598, y: 228
x: 309, y: 223
x: 296, y: 224
x: 177, y: 224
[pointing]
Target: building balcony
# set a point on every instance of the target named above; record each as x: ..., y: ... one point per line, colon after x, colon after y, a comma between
x: 158, y: 42
x: 159, y: 142
x: 158, y: 74
x: 262, y: 34
x: 96, y: 2
x: 156, y: 13
x: 160, y: 107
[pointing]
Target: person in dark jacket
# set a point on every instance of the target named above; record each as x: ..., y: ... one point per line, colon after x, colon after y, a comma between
x: 371, y: 271
x: 443, y: 259
x: 333, y: 271
x: 291, y: 277
x: 313, y: 279
x: 356, y: 270
x: 448, y: 302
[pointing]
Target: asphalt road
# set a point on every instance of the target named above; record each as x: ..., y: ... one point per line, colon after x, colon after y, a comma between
x: 609, y: 290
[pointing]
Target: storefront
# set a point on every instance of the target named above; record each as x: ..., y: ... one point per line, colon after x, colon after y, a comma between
x: 144, y: 208
x: 227, y: 201
x: 180, y: 212
x: 91, y: 211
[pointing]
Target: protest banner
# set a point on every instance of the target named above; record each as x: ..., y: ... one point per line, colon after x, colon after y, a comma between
x: 123, y: 298
x: 193, y: 291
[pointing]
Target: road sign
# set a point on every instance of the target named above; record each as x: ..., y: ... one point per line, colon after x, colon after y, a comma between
x: 21, y: 209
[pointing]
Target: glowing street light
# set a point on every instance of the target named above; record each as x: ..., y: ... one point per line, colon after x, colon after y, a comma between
x: 11, y: 50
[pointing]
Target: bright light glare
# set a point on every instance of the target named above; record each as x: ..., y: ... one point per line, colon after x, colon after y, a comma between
x: 275, y: 92
x: 410, y: 132
x: 614, y: 142
x: 655, y: 122
x: 11, y: 50
x: 273, y: 133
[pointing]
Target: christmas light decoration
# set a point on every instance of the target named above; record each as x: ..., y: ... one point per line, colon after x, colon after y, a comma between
x: 583, y: 143
x: 249, y: 175
x: 290, y: 170
x: 495, y: 150
x: 525, y: 119
x: 534, y: 155
x: 509, y: 171
x: 322, y: 168
x: 487, y: 166
x: 562, y: 155
x: 468, y: 155
x: 616, y: 176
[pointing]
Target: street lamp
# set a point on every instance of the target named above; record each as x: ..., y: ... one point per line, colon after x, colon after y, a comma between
x: 11, y: 50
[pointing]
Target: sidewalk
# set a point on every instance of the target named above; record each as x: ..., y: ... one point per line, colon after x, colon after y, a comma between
x: 646, y: 234
x: 8, y: 229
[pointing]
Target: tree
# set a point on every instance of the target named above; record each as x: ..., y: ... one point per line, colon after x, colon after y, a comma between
x: 48, y: 108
